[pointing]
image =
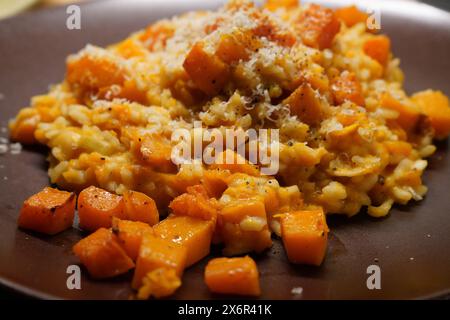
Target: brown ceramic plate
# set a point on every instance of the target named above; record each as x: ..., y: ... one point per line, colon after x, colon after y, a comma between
x: 411, y: 245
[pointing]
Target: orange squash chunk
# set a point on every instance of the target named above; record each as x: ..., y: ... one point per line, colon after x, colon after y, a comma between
x: 140, y: 207
x: 378, y: 48
x: 234, y: 162
x: 157, y: 151
x: 97, y: 207
x: 435, y: 105
x: 99, y: 74
x: 240, y: 209
x: 398, y: 130
x: 157, y: 253
x: 23, y: 127
x: 195, y: 203
x: 49, y: 211
x: 274, y: 5
x: 238, y: 276
x: 351, y: 15
x: 129, y: 234
x: 410, y: 178
x: 305, y: 104
x: 214, y: 182
x: 23, y: 131
x: 231, y: 48
x: 159, y: 283
x: 207, y: 71
x: 408, y: 115
x: 102, y: 254
x: 156, y: 36
x: 128, y: 91
x: 317, y: 81
x: 129, y: 48
x: 398, y: 150
x: 242, y: 226
x: 304, y: 235
x: 193, y: 233
x: 317, y: 26
x: 197, y: 189
x: 272, y: 32
x: 94, y: 72
x: 402, y: 148
x: 347, y: 87
x: 349, y: 119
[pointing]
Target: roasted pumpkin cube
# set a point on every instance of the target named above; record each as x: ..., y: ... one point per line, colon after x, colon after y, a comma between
x: 159, y: 283
x: 239, y: 210
x: 94, y: 72
x: 410, y: 178
x: 155, y: 253
x: 156, y: 35
x: 267, y: 29
x: 129, y: 91
x: 22, y: 128
x: 193, y: 233
x: 435, y: 105
x: 238, y: 276
x: 242, y: 226
x: 304, y: 235
x: 102, y: 254
x: 195, y: 203
x: 129, y: 234
x: 97, y: 207
x: 214, y: 182
x: 207, y: 71
x: 97, y: 71
x: 351, y: 15
x: 317, y: 26
x: 129, y: 48
x: 378, y: 48
x: 234, y: 162
x: 274, y: 5
x: 347, y: 87
x: 140, y: 207
x: 157, y: 151
x: 398, y: 150
x: 49, y: 211
x: 305, y: 103
x: 231, y: 48
x: 408, y: 115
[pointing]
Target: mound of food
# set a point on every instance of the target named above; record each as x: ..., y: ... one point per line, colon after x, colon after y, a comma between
x: 349, y: 136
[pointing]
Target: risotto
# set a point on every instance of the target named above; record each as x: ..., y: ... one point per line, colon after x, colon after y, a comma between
x: 349, y: 135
